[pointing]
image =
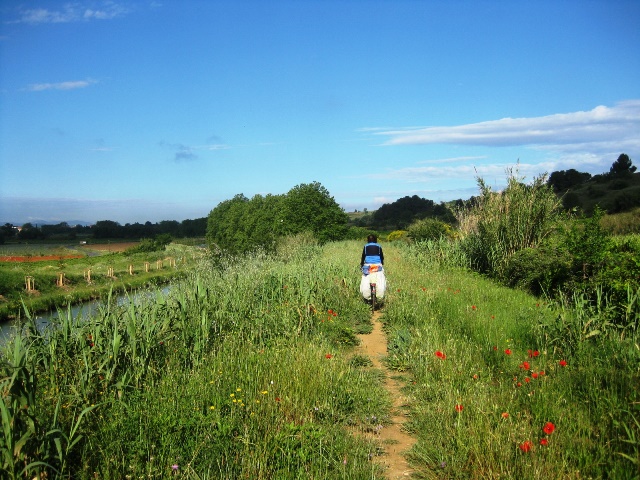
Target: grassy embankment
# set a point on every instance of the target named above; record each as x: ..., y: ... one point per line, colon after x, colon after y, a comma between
x: 85, y: 278
x: 245, y: 371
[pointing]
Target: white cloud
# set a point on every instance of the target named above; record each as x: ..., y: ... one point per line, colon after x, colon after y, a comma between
x: 599, y: 129
x: 72, y: 12
x: 71, y: 85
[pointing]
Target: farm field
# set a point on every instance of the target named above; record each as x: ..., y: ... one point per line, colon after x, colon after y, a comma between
x: 250, y: 368
x: 46, y: 276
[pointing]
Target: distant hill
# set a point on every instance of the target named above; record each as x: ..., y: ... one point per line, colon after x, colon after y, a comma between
x: 612, y: 193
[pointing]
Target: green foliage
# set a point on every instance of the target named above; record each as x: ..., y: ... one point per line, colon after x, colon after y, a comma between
x: 147, y: 245
x: 406, y: 210
x: 622, y: 166
x: 542, y: 270
x: 241, y: 225
x: 622, y: 223
x: 430, y: 229
x: 310, y: 207
x: 397, y: 235
x: 588, y: 243
x: 503, y: 223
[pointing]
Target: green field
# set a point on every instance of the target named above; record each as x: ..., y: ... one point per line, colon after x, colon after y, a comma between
x: 246, y: 370
x: 102, y: 268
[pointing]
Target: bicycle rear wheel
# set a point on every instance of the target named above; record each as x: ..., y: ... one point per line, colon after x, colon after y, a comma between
x: 373, y: 296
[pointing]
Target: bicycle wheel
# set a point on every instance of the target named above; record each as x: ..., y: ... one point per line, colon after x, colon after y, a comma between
x: 373, y: 296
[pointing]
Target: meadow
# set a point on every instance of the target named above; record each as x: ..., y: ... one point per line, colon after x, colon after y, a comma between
x: 246, y: 369
x: 88, y: 272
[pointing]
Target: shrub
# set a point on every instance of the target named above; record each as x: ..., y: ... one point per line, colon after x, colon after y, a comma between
x: 429, y: 229
x: 397, y: 235
x: 538, y: 270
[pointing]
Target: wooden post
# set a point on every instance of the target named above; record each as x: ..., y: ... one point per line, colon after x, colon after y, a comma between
x: 159, y: 265
x: 146, y: 267
x: 131, y: 269
x: 60, y: 280
x: 109, y: 271
x: 30, y: 284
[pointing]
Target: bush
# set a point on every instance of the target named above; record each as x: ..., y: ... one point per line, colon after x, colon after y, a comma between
x: 538, y: 270
x: 429, y: 229
x: 397, y: 235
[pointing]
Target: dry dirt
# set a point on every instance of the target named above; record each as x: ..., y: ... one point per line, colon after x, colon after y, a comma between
x: 393, y: 439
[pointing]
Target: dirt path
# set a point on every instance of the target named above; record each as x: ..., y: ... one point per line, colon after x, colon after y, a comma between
x: 393, y: 439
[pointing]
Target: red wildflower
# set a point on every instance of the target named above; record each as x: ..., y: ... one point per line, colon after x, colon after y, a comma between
x: 441, y: 355
x: 542, y: 374
x: 328, y: 355
x: 458, y: 408
x: 495, y: 347
x: 525, y: 365
x: 548, y: 428
x: 508, y: 351
x: 473, y: 307
x: 526, y: 446
x: 475, y: 376
x: 534, y: 375
x: 563, y: 363
x: 330, y: 312
x: 536, y: 353
x: 277, y: 399
x: 527, y: 379
x: 544, y: 442
x: 505, y: 415
x: 518, y: 384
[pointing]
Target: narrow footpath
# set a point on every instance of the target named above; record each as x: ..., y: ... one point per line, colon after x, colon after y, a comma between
x: 393, y: 439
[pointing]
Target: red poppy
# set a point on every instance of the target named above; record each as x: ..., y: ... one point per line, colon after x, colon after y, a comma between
x: 475, y: 376
x: 508, y: 351
x: 277, y: 399
x: 526, y: 446
x: 441, y: 355
x: 458, y: 408
x: 473, y: 307
x: 548, y: 428
x: 536, y: 353
x: 495, y: 347
x: 544, y: 442
x: 534, y: 375
x: 518, y: 384
x: 527, y: 379
x: 505, y: 415
x: 525, y: 365
x: 563, y: 363
x: 330, y: 312
x: 542, y: 374
x: 328, y: 355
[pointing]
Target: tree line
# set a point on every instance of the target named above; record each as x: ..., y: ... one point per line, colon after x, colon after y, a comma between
x: 104, y: 229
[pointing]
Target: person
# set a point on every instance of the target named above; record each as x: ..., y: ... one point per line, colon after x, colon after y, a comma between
x: 372, y: 252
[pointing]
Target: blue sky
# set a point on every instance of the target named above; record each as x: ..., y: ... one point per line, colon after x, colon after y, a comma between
x: 143, y: 110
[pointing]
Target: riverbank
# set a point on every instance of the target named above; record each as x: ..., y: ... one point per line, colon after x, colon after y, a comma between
x: 60, y: 280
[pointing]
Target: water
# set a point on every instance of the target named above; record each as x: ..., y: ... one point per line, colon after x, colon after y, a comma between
x: 82, y: 310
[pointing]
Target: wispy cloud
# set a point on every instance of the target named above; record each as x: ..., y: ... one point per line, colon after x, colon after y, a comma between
x: 187, y: 153
x: 72, y: 12
x: 70, y: 85
x: 599, y: 129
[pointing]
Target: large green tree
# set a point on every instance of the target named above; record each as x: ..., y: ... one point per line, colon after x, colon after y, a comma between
x: 239, y: 225
x: 309, y: 207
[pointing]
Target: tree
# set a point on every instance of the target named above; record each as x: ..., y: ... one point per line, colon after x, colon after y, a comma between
x: 622, y: 166
x: 310, y: 208
x: 564, y: 180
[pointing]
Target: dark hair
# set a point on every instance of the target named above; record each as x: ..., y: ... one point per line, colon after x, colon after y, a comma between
x: 372, y: 239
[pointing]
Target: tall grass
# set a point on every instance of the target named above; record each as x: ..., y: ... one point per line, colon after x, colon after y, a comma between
x: 513, y: 363
x: 502, y: 223
x: 241, y: 371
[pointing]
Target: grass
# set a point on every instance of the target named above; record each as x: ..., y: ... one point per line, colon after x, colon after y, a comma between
x: 245, y: 370
x: 148, y: 269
